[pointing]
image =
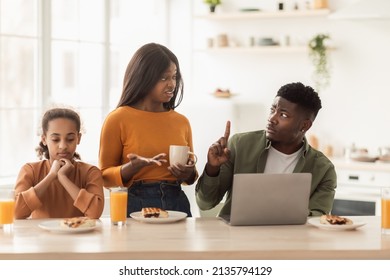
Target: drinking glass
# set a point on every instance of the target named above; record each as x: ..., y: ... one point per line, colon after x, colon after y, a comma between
x: 7, y: 209
x: 118, y: 206
x: 385, y: 207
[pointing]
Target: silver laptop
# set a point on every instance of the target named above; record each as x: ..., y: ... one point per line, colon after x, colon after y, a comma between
x: 269, y: 199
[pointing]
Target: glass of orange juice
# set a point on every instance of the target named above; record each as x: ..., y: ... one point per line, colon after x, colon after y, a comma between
x: 118, y: 206
x: 7, y: 208
x: 385, y: 205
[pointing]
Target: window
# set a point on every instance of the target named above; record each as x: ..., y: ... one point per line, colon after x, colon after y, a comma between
x: 66, y: 52
x: 19, y: 95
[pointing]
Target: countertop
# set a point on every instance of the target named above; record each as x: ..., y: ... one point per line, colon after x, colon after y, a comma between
x: 195, y: 238
x: 343, y: 163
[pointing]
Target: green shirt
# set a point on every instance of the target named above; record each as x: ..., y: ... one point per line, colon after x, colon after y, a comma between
x: 249, y: 153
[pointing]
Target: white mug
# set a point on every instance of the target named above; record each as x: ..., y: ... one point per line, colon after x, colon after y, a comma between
x: 180, y: 154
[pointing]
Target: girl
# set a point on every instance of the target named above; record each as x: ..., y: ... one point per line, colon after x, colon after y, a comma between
x: 59, y: 186
x: 135, y: 137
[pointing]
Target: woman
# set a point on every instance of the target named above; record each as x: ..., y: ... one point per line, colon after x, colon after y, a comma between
x: 136, y: 136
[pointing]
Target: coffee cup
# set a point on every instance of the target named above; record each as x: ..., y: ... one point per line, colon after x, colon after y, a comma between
x: 180, y: 154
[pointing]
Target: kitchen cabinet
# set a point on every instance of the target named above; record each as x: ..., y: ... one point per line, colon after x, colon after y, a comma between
x: 359, y: 187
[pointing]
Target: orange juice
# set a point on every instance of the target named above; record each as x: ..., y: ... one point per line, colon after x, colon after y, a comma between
x: 7, y: 211
x: 385, y: 213
x: 118, y: 206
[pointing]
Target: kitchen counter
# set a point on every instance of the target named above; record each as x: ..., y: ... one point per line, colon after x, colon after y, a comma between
x: 195, y: 238
x: 342, y: 163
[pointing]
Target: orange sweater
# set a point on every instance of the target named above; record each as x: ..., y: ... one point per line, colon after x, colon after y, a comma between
x: 57, y: 203
x: 127, y: 130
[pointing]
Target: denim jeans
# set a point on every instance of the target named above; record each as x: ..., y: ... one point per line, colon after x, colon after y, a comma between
x: 167, y: 196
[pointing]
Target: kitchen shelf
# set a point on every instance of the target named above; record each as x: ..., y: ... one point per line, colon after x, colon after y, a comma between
x: 265, y: 15
x: 264, y: 49
x: 244, y: 37
x: 258, y: 50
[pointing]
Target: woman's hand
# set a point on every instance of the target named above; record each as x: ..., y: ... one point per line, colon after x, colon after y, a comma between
x: 136, y: 163
x: 218, y: 153
x: 182, y: 172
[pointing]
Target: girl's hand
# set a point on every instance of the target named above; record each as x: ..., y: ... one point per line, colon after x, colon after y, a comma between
x: 56, y: 165
x: 66, y: 167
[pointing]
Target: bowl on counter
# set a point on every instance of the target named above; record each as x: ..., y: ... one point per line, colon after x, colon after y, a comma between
x: 384, y: 152
x: 363, y: 157
x: 385, y: 158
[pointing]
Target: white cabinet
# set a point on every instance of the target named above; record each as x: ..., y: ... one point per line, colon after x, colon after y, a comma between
x: 359, y: 186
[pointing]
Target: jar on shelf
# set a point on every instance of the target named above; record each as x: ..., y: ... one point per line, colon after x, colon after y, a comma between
x: 222, y: 40
x: 320, y: 4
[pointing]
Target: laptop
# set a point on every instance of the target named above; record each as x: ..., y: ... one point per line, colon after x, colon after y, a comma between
x: 269, y: 199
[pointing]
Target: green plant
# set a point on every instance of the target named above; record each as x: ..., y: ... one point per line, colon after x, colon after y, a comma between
x: 212, y: 2
x: 318, y: 53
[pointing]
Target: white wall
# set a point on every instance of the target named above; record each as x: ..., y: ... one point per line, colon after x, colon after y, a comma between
x: 355, y: 105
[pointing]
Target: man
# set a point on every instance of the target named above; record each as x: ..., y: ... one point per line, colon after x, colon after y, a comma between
x: 280, y: 148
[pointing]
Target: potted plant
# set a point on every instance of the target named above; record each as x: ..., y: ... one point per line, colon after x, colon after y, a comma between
x: 212, y: 4
x: 318, y: 53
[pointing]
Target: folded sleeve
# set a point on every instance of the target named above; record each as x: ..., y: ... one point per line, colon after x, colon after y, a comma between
x: 90, y: 199
x: 26, y: 198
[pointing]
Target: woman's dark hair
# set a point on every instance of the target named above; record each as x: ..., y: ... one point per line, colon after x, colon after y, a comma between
x: 304, y: 96
x: 52, y: 114
x: 144, y: 70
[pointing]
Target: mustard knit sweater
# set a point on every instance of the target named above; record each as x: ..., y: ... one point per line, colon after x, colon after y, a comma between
x: 127, y: 130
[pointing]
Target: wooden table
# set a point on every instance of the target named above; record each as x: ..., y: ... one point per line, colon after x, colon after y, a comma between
x: 195, y: 238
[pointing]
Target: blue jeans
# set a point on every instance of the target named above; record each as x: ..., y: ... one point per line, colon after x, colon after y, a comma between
x: 164, y: 195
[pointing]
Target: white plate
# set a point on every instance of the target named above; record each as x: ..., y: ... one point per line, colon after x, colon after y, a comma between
x: 55, y: 226
x: 316, y: 222
x: 173, y: 216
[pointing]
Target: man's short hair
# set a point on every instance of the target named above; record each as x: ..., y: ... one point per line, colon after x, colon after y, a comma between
x: 304, y: 96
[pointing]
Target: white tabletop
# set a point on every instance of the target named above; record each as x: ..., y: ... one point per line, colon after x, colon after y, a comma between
x: 195, y: 238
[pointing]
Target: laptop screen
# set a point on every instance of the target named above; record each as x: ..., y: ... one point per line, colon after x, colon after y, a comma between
x: 270, y: 199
